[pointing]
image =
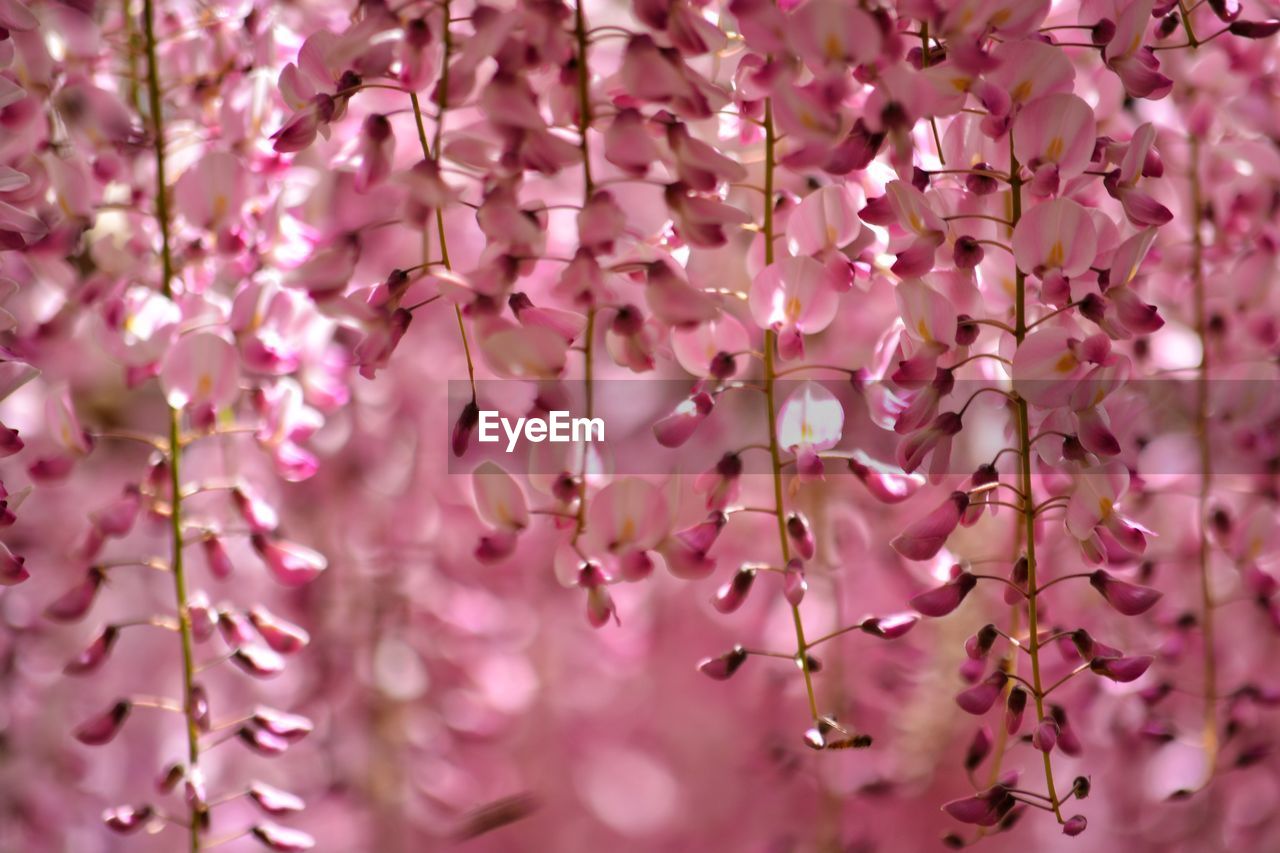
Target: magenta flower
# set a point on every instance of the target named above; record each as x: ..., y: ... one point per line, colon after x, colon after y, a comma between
x: 103, y: 728
x: 979, y: 698
x: 1129, y: 599
x: 923, y: 539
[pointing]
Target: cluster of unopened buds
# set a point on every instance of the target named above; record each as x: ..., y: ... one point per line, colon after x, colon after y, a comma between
x: 995, y: 223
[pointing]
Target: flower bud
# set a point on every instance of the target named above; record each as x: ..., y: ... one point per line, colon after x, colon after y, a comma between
x: 981, y: 184
x: 946, y: 598
x: 979, y: 698
x: 1045, y: 737
x: 290, y: 727
x: 977, y: 646
x: 723, y: 667
x: 1074, y: 825
x: 1127, y: 598
x: 979, y: 748
x: 258, y: 661
x: 923, y: 539
x: 274, y: 801
x: 1014, y: 708
x: 127, y: 819
x: 1254, y: 29
x: 1123, y: 669
x: 801, y: 535
x: 215, y: 556
x: 283, y: 637
x: 94, y: 654
x: 282, y: 838
x: 466, y: 423
x: 73, y: 604
x: 794, y: 584
x: 1080, y: 787
x: 104, y: 727
x: 967, y: 253
x: 889, y: 627
x: 733, y: 593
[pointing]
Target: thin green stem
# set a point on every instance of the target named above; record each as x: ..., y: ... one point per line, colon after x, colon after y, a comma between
x: 581, y: 34
x: 1204, y: 442
x: 1028, y: 507
x: 175, y: 421
x: 442, y: 104
x: 770, y: 377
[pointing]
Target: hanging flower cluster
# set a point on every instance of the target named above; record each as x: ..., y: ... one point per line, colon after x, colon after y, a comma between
x: 949, y: 324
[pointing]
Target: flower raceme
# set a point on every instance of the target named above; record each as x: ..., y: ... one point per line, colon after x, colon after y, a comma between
x: 942, y: 247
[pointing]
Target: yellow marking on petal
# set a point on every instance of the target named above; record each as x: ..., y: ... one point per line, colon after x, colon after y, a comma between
x: 1106, y: 507
x: 793, y: 308
x: 1056, y: 255
x: 1066, y: 363
x: 1000, y: 17
x: 204, y: 386
x: 628, y: 531
x: 220, y: 206
x: 833, y: 48
x: 960, y: 84
x: 1021, y: 91
x: 923, y: 328
x: 831, y: 234
x: 1054, y: 150
x: 917, y: 224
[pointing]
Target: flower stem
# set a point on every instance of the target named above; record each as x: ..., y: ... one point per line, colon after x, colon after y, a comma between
x: 770, y: 376
x: 581, y: 34
x: 441, y: 106
x: 1206, y: 453
x: 175, y: 420
x: 1028, y: 499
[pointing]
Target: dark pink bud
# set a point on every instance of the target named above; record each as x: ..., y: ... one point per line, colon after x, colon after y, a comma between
x: 978, y: 749
x: 169, y: 778
x: 462, y: 430
x: 679, y: 426
x: 1067, y: 740
x: 889, y: 627
x: 981, y: 184
x: 10, y: 443
x: 282, y: 636
x: 103, y: 728
x: 117, y: 518
x: 801, y: 535
x: 262, y: 741
x: 274, y: 801
x: 984, y: 809
x: 256, y: 512
x: 1018, y: 577
x: 235, y: 628
x: 794, y: 584
x: 198, y: 707
x: 215, y: 556
x: 977, y: 646
x: 1129, y: 599
x: 258, y: 661
x: 1045, y: 737
x: 979, y: 698
x: 291, y: 727
x: 723, y: 366
x: 1254, y: 29
x: 733, y: 593
x: 967, y: 330
x: 722, y: 667
x: 968, y: 253
x: 1121, y: 669
x: 94, y: 654
x: 923, y: 539
x: 204, y: 619
x: 13, y: 570
x: 1074, y: 825
x: 628, y: 321
x: 127, y: 819
x: 282, y: 838
x: 496, y: 546
x: 290, y: 564
x: 703, y: 535
x: 946, y: 598
x: 75, y: 602
x: 1014, y: 708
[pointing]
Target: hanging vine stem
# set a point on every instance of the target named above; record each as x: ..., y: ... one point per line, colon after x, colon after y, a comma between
x: 581, y: 35
x: 442, y: 87
x: 1206, y: 455
x: 174, y: 450
x: 770, y: 376
x: 1028, y: 507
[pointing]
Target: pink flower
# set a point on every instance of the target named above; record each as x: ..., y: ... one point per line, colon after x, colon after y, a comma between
x: 942, y: 600
x: 103, y: 728
x: 290, y: 564
x: 987, y: 808
x: 723, y: 667
x: 810, y: 421
x: 95, y: 653
x: 731, y: 595
x: 923, y: 539
x: 1129, y: 599
x: 793, y: 297
x: 979, y: 698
